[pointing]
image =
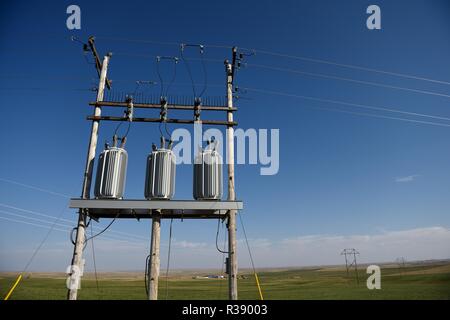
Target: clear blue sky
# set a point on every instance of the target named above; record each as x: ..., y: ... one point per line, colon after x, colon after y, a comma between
x: 340, y: 174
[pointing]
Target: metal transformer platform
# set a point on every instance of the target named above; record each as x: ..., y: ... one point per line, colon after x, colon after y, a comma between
x: 164, y: 209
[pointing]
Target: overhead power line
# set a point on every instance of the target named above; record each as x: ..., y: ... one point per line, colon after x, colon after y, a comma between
x: 319, y: 75
x: 292, y: 56
x: 384, y: 117
x: 54, y: 224
x: 350, y: 66
x: 119, y: 233
x: 35, y: 188
x: 333, y: 77
x: 350, y: 112
x: 49, y: 216
x: 159, y: 43
x: 32, y: 218
x: 63, y: 228
x: 34, y: 224
x: 349, y: 104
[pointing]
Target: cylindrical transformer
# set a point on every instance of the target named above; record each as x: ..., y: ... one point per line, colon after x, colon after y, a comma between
x: 208, y: 177
x: 111, y: 173
x: 160, y: 175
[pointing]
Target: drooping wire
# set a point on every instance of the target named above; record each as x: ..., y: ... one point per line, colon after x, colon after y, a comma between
x: 106, y: 228
x: 55, y: 222
x: 168, y: 259
x: 162, y: 133
x: 146, y: 277
x: 158, y: 61
x: 223, y: 262
x: 217, y: 238
x: 164, y: 94
x: 188, y: 68
x: 173, y: 77
x: 205, y: 74
x: 94, y: 261
x: 126, y: 132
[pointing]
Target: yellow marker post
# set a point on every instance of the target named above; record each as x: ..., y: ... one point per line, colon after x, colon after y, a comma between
x: 259, y: 287
x: 13, y: 287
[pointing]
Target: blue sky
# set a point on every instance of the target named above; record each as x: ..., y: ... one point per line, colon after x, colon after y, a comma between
x: 341, y: 175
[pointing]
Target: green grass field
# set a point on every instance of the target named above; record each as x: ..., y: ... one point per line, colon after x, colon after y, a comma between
x: 413, y: 282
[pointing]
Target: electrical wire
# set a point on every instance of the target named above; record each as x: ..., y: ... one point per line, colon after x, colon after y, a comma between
x: 167, y: 131
x: 159, y: 43
x: 251, y: 256
x: 383, y: 117
x: 223, y: 262
x: 168, y: 259
x: 70, y: 222
x: 350, y: 66
x: 162, y: 43
x: 146, y: 276
x: 166, y: 93
x: 158, y: 61
x: 33, y: 224
x: 248, y: 247
x: 106, y: 228
x: 161, y: 80
x: 93, y: 259
x: 35, y: 188
x: 188, y: 68
x: 126, y: 132
x: 173, y: 78
x: 349, y: 104
x: 162, y: 133
x: 32, y: 218
x: 295, y: 57
x: 205, y: 74
x: 43, y: 240
x: 148, y: 56
x: 139, y: 83
x: 333, y: 77
x: 217, y: 238
x: 350, y: 112
x: 67, y: 229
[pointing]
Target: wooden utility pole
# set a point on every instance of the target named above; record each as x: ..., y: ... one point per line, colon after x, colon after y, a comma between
x: 154, y: 258
x: 77, y: 259
x: 232, y: 253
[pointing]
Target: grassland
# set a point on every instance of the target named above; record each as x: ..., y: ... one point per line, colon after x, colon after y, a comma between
x: 431, y: 281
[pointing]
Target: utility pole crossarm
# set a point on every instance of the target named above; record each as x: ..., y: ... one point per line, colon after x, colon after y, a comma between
x: 158, y: 106
x: 98, y: 64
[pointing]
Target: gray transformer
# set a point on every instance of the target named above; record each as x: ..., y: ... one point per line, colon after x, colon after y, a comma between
x: 160, y: 175
x: 208, y: 176
x: 111, y: 173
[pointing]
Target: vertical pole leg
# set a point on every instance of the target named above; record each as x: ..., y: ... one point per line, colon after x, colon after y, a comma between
x: 232, y: 252
x: 154, y: 259
x: 77, y: 258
